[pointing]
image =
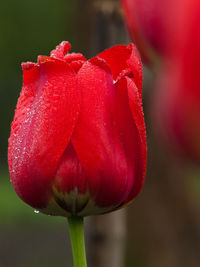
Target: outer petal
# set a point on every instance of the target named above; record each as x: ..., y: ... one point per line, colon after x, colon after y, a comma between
x: 96, y: 139
x: 45, y: 117
x: 130, y: 121
x: 122, y: 58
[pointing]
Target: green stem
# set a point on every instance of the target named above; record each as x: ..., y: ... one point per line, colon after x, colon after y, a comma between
x: 76, y: 230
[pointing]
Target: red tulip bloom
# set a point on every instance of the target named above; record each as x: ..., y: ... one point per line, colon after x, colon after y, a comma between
x: 78, y: 144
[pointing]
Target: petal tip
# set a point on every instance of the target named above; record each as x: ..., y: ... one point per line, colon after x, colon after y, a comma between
x: 44, y: 59
x: 100, y: 62
x: 61, y: 50
x: 28, y: 65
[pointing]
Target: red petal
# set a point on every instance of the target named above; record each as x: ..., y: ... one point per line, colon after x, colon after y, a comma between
x: 95, y: 138
x: 70, y: 173
x: 45, y: 117
x: 71, y: 183
x: 74, y: 57
x: 121, y: 58
x: 75, y: 60
x: 130, y: 121
x: 61, y: 50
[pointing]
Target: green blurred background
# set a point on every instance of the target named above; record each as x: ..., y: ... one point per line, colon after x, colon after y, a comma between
x: 164, y: 222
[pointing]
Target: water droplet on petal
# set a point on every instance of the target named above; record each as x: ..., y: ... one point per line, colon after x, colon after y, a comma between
x: 36, y: 211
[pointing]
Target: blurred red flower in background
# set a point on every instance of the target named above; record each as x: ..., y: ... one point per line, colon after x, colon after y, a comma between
x: 78, y: 142
x: 172, y: 31
x: 146, y: 24
x: 177, y: 98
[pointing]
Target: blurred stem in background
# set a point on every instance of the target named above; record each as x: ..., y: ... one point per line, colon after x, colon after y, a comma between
x: 107, y: 239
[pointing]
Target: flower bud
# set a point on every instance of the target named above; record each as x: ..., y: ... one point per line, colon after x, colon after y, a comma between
x: 78, y: 142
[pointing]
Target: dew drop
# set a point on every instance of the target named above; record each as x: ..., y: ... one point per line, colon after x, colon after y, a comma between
x: 36, y: 211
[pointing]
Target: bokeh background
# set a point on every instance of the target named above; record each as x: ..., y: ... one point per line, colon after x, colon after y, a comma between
x: 162, y: 227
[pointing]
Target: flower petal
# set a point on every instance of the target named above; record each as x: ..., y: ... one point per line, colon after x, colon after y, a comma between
x: 45, y: 117
x: 130, y: 122
x: 124, y: 57
x: 61, y: 50
x: 95, y: 138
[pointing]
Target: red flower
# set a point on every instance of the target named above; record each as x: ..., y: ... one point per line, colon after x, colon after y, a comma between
x: 146, y: 21
x: 78, y: 143
x: 171, y: 29
x: 177, y: 98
